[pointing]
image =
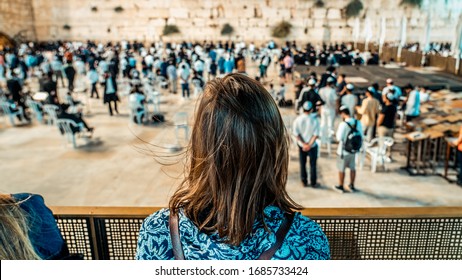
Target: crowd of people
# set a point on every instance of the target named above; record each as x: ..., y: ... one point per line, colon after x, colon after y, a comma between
x: 225, y: 210
x: 362, y: 116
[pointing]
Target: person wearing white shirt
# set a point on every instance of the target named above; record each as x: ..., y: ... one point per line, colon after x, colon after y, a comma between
x: 329, y: 95
x: 346, y: 159
x: 184, y: 74
x: 172, y: 77
x: 390, y: 85
x: 412, y: 104
x: 199, y: 66
x: 149, y: 59
x: 349, y: 99
x: 93, y: 77
x: 306, y: 130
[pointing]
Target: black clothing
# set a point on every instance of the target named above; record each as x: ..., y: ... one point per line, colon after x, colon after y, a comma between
x: 390, y: 116
x: 15, y: 88
x: 312, y: 96
x: 70, y: 74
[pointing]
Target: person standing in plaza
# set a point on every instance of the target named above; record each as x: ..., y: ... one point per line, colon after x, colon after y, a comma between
x: 349, y: 135
x: 110, y: 92
x: 412, y: 102
x: 57, y: 68
x: 369, y: 110
x: 93, y: 78
x: 309, y: 94
x: 306, y: 130
x: 184, y: 81
x: 392, y: 87
x: 288, y: 65
x: 70, y: 75
x: 172, y: 77
x: 349, y: 100
x: 329, y: 96
x: 387, y: 117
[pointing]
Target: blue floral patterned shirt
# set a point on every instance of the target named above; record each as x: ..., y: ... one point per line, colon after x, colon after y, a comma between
x: 304, y: 241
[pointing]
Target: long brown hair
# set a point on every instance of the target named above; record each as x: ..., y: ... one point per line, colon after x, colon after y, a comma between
x: 14, y: 236
x: 238, y: 160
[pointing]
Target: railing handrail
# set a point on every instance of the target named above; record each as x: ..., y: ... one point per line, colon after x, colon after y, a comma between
x: 375, y: 212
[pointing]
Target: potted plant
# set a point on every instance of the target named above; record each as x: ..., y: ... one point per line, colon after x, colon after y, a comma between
x: 354, y: 8
x: 170, y: 29
x: 413, y: 3
x: 319, y: 4
x: 227, y: 29
x: 282, y: 29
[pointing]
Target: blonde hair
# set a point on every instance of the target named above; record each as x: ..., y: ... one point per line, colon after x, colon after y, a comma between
x: 14, y: 237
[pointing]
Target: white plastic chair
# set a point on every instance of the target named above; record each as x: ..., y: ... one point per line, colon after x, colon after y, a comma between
x: 65, y: 126
x: 180, y: 121
x: 138, y: 115
x: 36, y: 108
x: 377, y: 149
x: 154, y: 99
x: 7, y: 111
x: 51, y: 111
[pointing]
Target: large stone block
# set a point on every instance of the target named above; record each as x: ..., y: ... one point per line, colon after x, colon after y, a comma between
x: 334, y: 13
x: 318, y: 13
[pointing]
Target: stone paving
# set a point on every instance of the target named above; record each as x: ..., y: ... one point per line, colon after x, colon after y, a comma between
x: 129, y: 165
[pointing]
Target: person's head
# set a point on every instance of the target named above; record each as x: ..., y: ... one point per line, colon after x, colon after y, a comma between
x: 238, y: 159
x: 344, y: 112
x: 311, y: 82
x: 14, y: 235
x: 369, y: 92
x: 307, y: 107
x: 408, y: 88
x: 271, y: 86
x: 388, y: 97
x: 350, y: 88
x: 330, y: 81
x: 389, y: 82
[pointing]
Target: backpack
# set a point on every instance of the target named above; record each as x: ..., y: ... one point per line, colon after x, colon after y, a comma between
x: 354, y: 140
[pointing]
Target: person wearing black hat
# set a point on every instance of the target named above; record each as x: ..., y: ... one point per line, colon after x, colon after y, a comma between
x: 306, y: 130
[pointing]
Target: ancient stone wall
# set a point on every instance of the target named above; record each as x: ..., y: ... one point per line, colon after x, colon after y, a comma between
x: 17, y: 19
x: 252, y: 19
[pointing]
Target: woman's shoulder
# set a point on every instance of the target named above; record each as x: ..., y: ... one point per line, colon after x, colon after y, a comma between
x: 154, y: 238
x: 29, y: 200
x: 158, y: 221
x: 305, y: 240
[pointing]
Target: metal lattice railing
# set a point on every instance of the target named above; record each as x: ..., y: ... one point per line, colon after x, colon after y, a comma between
x: 362, y: 233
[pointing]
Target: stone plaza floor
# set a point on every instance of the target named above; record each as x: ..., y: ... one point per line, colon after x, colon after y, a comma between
x: 129, y: 165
